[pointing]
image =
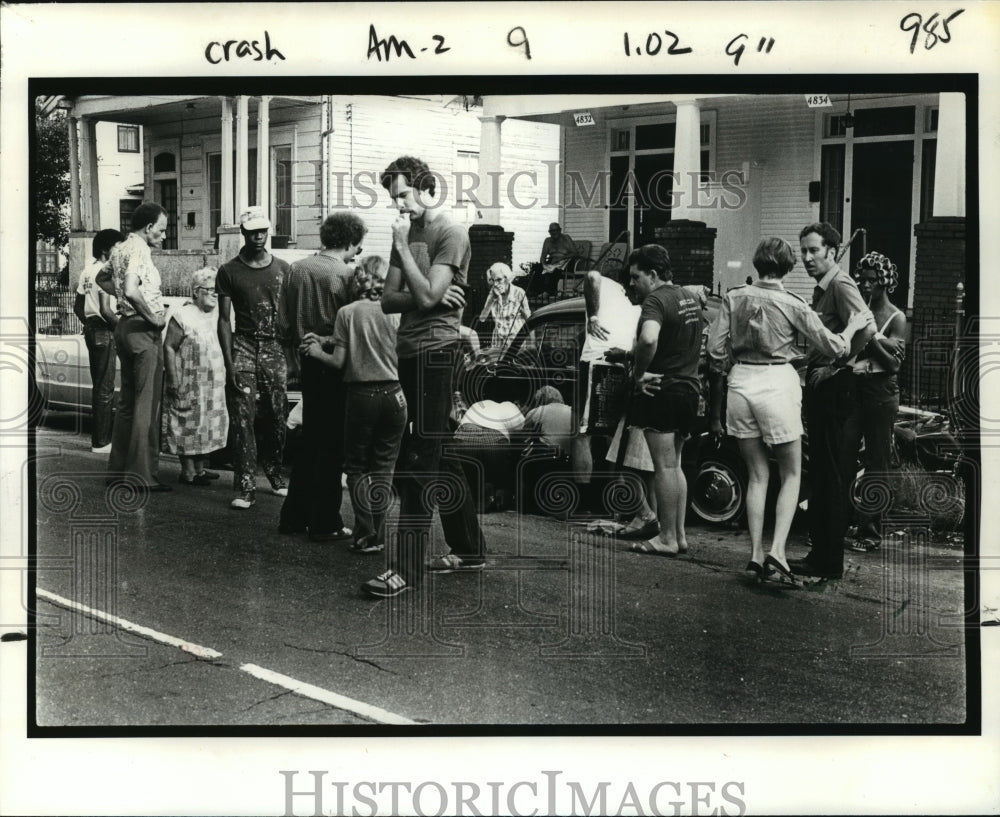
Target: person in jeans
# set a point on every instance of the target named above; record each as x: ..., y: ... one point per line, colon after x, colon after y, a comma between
x: 96, y: 311
x: 427, y: 270
x: 134, y: 280
x: 315, y: 291
x: 364, y: 347
x: 250, y: 284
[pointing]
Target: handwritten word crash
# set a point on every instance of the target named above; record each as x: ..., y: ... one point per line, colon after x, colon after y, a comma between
x: 240, y: 49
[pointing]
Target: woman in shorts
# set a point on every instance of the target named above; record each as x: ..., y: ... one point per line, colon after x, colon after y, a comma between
x: 754, y: 337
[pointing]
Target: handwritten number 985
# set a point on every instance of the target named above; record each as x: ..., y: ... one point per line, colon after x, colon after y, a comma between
x: 522, y: 40
x: 914, y: 22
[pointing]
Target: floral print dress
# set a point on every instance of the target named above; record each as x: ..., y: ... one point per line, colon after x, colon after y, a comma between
x: 197, y: 422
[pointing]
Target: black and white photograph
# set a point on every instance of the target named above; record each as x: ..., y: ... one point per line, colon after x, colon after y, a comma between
x: 451, y: 414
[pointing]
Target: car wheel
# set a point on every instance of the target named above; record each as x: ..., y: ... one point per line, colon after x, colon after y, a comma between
x: 718, y: 492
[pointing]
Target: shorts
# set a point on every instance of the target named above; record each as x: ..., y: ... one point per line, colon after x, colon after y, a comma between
x: 673, y: 409
x: 764, y: 401
x: 637, y: 454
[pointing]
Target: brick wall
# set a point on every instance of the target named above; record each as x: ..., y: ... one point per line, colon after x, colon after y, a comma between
x: 490, y: 243
x: 691, y: 246
x: 940, y: 263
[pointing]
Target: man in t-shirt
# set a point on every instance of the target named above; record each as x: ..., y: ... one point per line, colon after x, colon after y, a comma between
x: 427, y: 270
x: 250, y: 285
x: 558, y: 250
x: 96, y: 311
x: 667, y: 349
x: 315, y: 291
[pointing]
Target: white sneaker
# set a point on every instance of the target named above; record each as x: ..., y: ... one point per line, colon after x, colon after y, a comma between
x: 104, y: 449
x: 244, y: 501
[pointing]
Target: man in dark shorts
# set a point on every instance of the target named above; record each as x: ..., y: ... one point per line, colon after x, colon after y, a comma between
x: 666, y: 380
x: 250, y: 284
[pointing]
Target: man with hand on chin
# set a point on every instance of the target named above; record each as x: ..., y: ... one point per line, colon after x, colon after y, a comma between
x: 428, y: 270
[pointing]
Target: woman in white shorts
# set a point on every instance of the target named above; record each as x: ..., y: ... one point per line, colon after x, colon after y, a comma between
x: 754, y: 338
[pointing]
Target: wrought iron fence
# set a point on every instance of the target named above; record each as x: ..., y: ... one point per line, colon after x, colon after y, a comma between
x: 54, y: 308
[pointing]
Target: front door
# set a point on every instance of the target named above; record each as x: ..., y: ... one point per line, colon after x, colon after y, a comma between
x: 881, y: 201
x: 166, y: 196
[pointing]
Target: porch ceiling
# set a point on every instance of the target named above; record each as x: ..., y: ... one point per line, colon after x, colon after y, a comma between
x: 556, y: 108
x: 155, y: 110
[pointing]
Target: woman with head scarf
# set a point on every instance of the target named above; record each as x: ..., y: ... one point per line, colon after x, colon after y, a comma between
x: 195, y: 419
x: 506, y: 304
x: 875, y: 369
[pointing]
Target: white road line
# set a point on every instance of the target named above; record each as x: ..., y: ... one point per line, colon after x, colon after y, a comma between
x: 325, y: 696
x: 374, y: 713
x: 163, y: 638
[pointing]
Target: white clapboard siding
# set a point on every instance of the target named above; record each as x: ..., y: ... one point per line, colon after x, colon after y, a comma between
x: 530, y: 184
x: 586, y: 153
x: 772, y: 141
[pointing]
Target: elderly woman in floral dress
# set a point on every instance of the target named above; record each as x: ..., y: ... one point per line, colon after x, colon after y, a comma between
x: 195, y: 419
x: 506, y: 304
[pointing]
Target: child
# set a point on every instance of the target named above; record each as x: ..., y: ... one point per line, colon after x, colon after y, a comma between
x: 364, y: 346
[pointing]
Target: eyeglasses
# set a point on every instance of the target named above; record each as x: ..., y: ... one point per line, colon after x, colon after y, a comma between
x: 209, y: 290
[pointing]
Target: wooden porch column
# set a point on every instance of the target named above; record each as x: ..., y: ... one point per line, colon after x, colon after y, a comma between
x: 242, y: 155
x: 226, y: 215
x: 949, y: 166
x: 490, y: 155
x: 263, y: 156
x: 91, y: 207
x: 687, y: 157
x: 75, y: 221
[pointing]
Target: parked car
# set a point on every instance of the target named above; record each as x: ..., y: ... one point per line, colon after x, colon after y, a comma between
x: 546, y: 352
x: 62, y: 373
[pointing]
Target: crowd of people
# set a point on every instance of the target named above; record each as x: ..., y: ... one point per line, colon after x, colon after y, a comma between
x: 375, y: 343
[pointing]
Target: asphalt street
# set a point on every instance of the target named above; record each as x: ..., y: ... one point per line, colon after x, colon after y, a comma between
x: 199, y: 615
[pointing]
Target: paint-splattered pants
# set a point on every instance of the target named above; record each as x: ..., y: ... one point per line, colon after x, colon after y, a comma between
x: 260, y: 364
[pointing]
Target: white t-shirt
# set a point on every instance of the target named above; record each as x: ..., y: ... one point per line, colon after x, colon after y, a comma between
x: 89, y: 289
x: 618, y: 315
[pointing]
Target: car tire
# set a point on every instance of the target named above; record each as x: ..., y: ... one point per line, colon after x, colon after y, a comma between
x: 718, y: 492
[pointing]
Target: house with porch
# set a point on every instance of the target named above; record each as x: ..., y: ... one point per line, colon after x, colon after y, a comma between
x: 206, y: 158
x: 709, y: 175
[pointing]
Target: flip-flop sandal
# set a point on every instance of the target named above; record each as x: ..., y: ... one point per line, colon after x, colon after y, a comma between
x: 647, y: 531
x: 651, y: 550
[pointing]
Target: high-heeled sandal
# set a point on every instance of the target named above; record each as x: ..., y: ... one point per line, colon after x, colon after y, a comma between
x: 780, y: 569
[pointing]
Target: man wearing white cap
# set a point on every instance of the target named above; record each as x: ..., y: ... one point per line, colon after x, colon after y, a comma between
x: 250, y: 284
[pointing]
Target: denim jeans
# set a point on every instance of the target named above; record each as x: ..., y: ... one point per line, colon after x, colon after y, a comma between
x: 314, y: 491
x: 424, y: 478
x: 100, y: 341
x: 374, y: 421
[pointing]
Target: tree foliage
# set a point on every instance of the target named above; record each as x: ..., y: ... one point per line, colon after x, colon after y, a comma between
x: 51, y: 177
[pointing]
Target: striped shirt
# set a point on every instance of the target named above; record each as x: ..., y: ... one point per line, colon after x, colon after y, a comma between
x: 315, y: 289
